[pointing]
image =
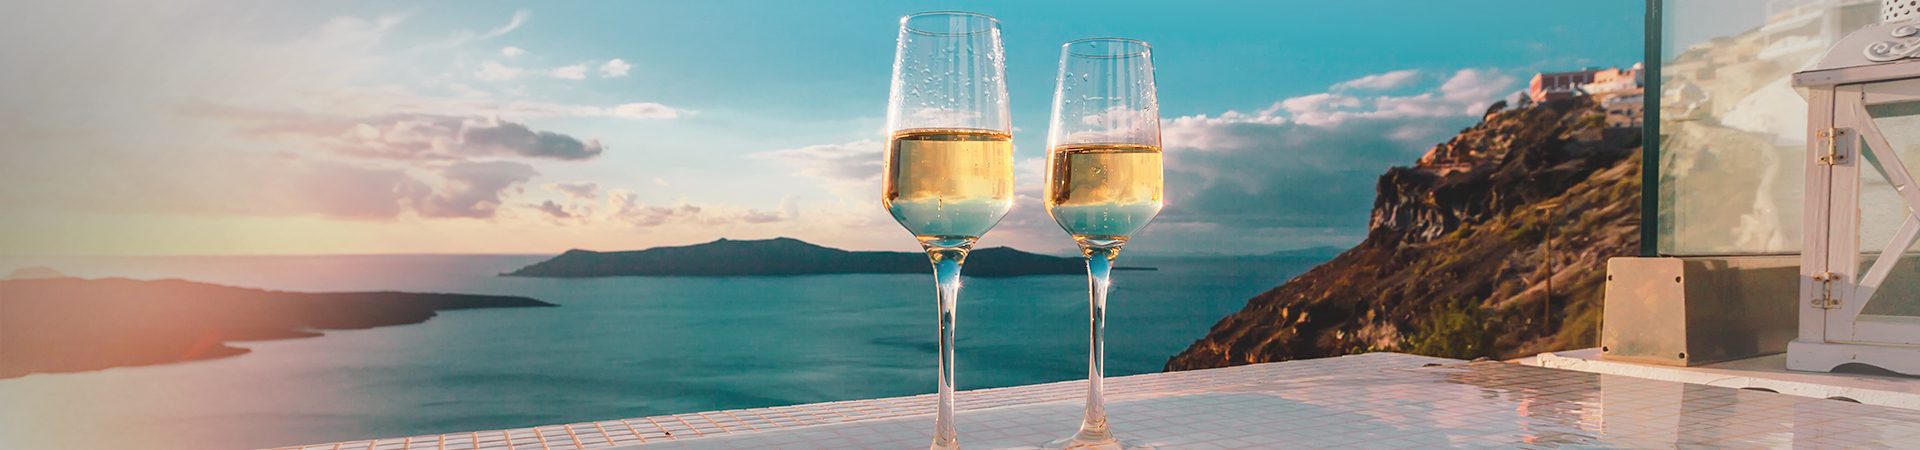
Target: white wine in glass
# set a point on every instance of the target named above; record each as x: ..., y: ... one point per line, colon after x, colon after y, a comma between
x: 949, y: 157
x: 947, y: 185
x: 1104, y: 184
x: 1103, y: 193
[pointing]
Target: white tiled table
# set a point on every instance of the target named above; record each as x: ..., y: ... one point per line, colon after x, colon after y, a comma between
x: 1379, y: 400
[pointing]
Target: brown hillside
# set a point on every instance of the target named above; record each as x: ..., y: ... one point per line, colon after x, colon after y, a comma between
x: 1455, y: 261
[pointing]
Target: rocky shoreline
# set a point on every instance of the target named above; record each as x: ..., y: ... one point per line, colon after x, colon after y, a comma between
x: 61, y: 324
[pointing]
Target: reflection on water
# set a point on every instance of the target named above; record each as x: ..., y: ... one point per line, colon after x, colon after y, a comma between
x: 617, y: 347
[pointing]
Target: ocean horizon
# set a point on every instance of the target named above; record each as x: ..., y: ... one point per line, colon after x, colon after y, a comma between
x: 616, y: 347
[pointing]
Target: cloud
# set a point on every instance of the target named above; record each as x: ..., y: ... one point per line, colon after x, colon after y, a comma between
x: 498, y: 137
x: 853, y: 162
x: 423, y: 137
x: 554, y: 210
x: 1379, y: 82
x: 532, y: 109
x: 494, y: 71
x: 467, y: 91
x: 580, y: 190
x: 286, y: 185
x: 569, y: 72
x: 465, y: 37
x: 1466, y: 92
x: 790, y: 206
x: 1476, y: 86
x: 626, y: 207
x: 1264, y: 174
x: 756, y: 216
x: 341, y: 120
x: 932, y: 114
x: 252, y: 184
x: 516, y: 108
x: 644, y: 110
x: 1308, y: 164
x: 346, y: 191
x: 519, y: 18
x: 473, y: 189
x: 615, y: 68
x: 1299, y: 172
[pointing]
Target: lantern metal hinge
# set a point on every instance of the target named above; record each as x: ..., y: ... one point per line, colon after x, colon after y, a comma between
x: 1826, y: 299
x: 1832, y: 136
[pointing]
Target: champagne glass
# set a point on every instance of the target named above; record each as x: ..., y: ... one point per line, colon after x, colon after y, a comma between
x: 1104, y: 182
x: 949, y: 159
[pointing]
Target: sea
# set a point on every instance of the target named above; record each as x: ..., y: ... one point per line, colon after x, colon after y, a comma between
x: 615, y: 347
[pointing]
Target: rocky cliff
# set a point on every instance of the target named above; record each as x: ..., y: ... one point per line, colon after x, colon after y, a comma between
x: 1456, y: 262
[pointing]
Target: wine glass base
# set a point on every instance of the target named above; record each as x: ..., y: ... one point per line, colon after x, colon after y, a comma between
x: 1069, y: 443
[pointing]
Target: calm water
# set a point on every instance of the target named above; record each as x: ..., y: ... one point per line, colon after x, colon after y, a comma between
x: 617, y: 347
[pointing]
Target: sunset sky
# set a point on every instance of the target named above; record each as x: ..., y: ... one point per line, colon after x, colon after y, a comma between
x: 468, y: 127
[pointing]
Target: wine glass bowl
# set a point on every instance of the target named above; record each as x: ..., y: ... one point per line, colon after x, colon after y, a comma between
x: 949, y: 163
x: 1104, y: 177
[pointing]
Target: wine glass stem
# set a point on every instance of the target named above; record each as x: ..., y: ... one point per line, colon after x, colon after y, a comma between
x: 946, y: 278
x: 1099, y: 266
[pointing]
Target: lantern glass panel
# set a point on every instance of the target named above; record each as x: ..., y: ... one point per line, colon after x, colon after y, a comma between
x: 1883, y: 211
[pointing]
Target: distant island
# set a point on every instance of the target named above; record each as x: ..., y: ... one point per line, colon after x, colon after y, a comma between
x: 785, y: 256
x: 51, y: 323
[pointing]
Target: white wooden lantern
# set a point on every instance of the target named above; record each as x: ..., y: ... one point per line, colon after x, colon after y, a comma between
x: 1860, y: 272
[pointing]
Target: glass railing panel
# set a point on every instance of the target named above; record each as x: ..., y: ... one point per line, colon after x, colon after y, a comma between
x: 1732, y: 128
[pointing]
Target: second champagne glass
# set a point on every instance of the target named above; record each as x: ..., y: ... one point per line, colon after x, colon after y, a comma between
x: 949, y: 159
x: 1104, y: 183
